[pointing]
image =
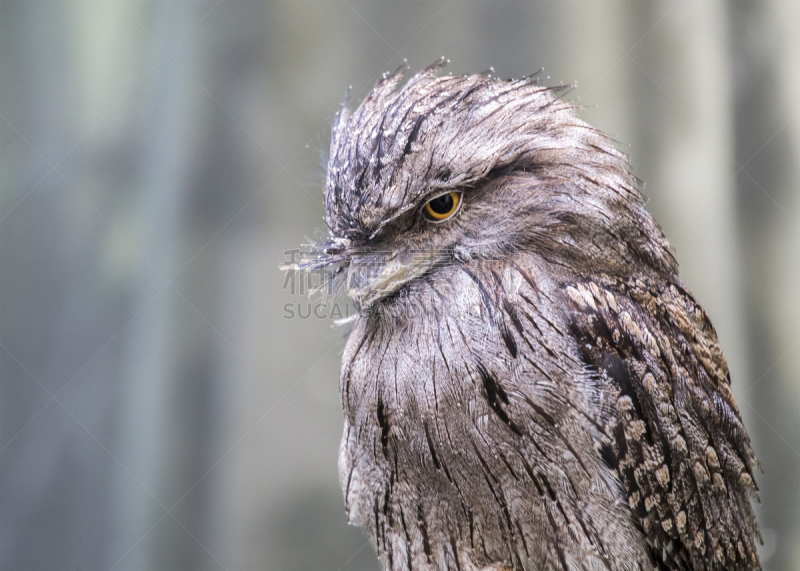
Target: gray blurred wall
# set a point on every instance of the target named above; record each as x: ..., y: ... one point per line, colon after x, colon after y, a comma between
x: 157, y: 158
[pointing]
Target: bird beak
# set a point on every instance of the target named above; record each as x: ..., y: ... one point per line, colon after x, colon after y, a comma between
x: 376, y: 275
x: 325, y: 260
x: 329, y: 252
x: 370, y: 275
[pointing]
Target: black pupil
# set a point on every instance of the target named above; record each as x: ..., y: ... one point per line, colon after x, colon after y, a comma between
x: 442, y: 205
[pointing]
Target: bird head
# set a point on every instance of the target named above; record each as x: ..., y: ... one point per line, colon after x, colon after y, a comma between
x: 450, y: 169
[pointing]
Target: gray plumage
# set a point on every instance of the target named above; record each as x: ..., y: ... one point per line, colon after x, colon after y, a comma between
x: 528, y: 383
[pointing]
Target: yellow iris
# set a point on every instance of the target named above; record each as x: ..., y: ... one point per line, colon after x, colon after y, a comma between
x: 442, y: 207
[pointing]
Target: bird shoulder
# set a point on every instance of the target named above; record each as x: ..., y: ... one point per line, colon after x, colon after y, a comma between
x: 677, y: 442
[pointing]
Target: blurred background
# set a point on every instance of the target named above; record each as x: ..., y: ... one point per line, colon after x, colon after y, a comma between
x: 163, y: 402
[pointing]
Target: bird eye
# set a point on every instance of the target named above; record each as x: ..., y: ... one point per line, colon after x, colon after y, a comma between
x: 442, y: 207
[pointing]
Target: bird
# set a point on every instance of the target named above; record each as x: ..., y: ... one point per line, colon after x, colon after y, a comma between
x: 526, y: 382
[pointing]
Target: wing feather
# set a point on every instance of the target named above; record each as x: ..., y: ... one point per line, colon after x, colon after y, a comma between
x: 677, y: 442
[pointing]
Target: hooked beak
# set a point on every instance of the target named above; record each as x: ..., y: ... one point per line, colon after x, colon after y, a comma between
x: 374, y: 276
x: 370, y: 275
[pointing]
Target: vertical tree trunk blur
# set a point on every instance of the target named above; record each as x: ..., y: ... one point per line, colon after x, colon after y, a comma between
x: 150, y: 404
x: 53, y: 316
x: 766, y: 94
